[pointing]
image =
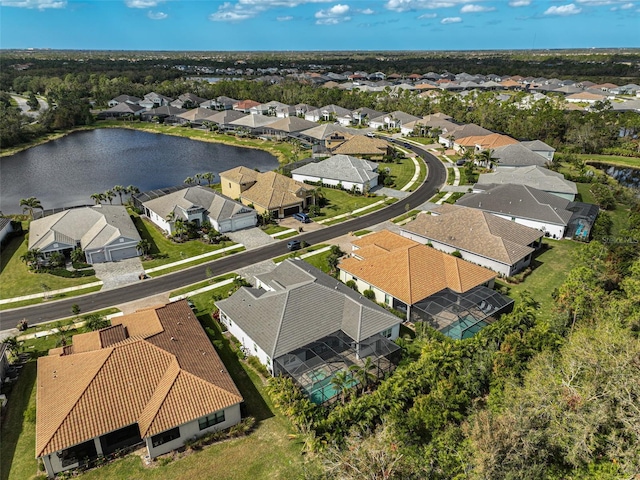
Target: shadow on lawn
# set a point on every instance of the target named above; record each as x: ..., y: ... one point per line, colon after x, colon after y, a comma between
x: 255, y: 404
x: 14, y: 421
x: 145, y: 235
x: 10, y: 250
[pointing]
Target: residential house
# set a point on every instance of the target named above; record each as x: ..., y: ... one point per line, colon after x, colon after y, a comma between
x: 123, y: 99
x: 321, y: 132
x: 557, y: 217
x: 188, y: 101
x: 362, y: 146
x: 476, y: 144
x: 245, y: 106
x: 155, y: 100
x: 271, y: 192
x: 6, y: 228
x: 436, y: 122
x: 122, y: 109
x: 198, y: 204
x: 225, y: 118
x: 361, y: 116
x: 164, y: 114
x: 481, y: 238
x: 269, y: 109
x: 517, y: 155
x: 303, y: 323
x: 326, y: 113
x: 392, y: 120
x: 152, y: 377
x: 533, y: 176
x: 585, y: 97
x: 541, y: 148
x: 448, y: 136
x: 220, y: 103
x: 290, y: 124
x: 195, y: 116
x: 254, y: 124
x: 105, y: 233
x: 343, y: 171
x: 402, y: 272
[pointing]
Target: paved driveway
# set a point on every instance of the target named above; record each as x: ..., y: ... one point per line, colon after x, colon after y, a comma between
x: 250, y: 237
x: 117, y: 274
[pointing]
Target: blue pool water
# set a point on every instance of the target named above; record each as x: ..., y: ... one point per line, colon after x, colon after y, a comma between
x: 464, y: 328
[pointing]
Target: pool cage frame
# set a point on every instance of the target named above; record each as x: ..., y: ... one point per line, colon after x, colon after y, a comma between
x: 313, y: 366
x: 447, y: 309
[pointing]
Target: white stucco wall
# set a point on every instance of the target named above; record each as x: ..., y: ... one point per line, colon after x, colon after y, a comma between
x: 251, y: 347
x: 557, y: 230
x: 329, y: 181
x: 232, y: 416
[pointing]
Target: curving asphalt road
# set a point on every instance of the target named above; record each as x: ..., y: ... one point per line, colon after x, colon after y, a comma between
x: 95, y: 301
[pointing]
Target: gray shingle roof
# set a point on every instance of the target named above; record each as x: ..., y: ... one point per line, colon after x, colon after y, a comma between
x: 517, y: 155
x: 217, y: 205
x: 532, y: 176
x: 341, y: 167
x: 296, y: 314
x: 538, y: 145
x: 520, y: 201
x: 93, y: 227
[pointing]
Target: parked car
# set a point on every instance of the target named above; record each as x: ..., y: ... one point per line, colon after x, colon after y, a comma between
x: 461, y: 162
x: 302, y: 217
x: 293, y: 245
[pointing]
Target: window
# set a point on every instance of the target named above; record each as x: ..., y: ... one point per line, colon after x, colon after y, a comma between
x: 165, y: 437
x: 387, y: 299
x: 255, y: 347
x: 386, y: 333
x: 211, y: 420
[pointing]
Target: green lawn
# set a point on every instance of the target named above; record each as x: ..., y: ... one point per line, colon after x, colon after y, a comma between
x: 551, y: 267
x: 424, y: 140
x: 339, y: 202
x: 268, y: 452
x: 612, y: 160
x: 17, y: 280
x: 404, y: 216
x: 206, y: 283
x: 271, y: 229
x: 421, y: 177
x: 165, y: 250
x: 451, y: 176
x: 402, y: 172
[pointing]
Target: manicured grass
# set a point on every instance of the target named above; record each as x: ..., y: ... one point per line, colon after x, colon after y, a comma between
x: 286, y: 235
x: 387, y: 202
x: 402, y: 172
x: 451, y: 176
x: 421, y: 176
x: 404, y: 216
x: 339, y: 202
x: 320, y: 261
x: 454, y: 197
x: 437, y: 197
x: 193, y: 263
x: 60, y: 296
x: 166, y: 250
x: 297, y: 253
x: 271, y: 229
x: 361, y: 233
x: 17, y: 280
x: 612, y: 160
x: 282, y: 150
x: 206, y: 283
x: 425, y: 140
x: 551, y: 267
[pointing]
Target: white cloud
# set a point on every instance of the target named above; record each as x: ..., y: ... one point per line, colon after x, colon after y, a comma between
x: 39, y: 4
x: 563, y: 10
x: 476, y: 9
x: 334, y: 15
x: 410, y: 5
x: 284, y: 19
x: 520, y: 3
x: 627, y: 6
x: 157, y: 15
x: 227, y: 12
x: 427, y: 15
x: 448, y: 20
x: 367, y: 11
x: 142, y: 3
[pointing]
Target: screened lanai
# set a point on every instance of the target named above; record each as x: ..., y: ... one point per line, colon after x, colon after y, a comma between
x: 461, y: 315
x: 313, y: 366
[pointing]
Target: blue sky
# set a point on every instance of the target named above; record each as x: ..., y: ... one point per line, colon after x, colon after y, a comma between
x: 318, y: 24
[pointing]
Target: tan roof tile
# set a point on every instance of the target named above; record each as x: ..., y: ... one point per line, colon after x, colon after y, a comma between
x: 410, y: 271
x: 362, y: 145
x: 163, y: 378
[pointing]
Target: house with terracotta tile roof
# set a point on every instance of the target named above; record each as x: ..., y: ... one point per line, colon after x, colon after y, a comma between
x: 152, y: 378
x: 266, y: 192
x: 402, y: 272
x: 478, y: 143
x: 501, y: 245
x: 245, y: 105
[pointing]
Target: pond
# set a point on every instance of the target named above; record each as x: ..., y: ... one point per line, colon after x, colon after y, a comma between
x: 626, y: 176
x: 65, y: 172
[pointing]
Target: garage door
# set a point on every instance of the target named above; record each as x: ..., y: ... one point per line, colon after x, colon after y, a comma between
x: 291, y: 211
x: 243, y: 222
x: 123, y: 253
x: 96, y: 257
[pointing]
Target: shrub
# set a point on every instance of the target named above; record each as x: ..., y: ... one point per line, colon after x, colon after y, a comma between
x: 456, y: 254
x: 22, y: 325
x: 352, y: 284
x: 259, y: 367
x: 370, y: 294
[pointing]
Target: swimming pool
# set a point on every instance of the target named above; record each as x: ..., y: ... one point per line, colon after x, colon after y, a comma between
x: 465, y: 327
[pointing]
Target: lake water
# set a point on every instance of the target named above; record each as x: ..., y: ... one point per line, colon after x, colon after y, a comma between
x: 65, y: 172
x: 626, y: 176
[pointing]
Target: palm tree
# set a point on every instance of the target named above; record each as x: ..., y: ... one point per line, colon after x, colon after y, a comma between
x: 198, y: 177
x: 143, y: 246
x: 109, y: 195
x: 132, y: 190
x: 189, y: 181
x: 98, y: 197
x: 341, y: 384
x: 30, y: 204
x: 364, y: 374
x: 119, y: 189
x: 486, y: 157
x: 208, y: 176
x: 32, y: 258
